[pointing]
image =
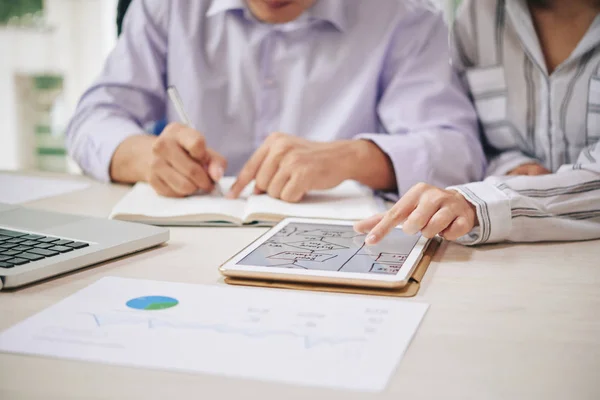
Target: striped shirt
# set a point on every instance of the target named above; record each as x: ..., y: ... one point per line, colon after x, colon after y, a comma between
x: 528, y: 115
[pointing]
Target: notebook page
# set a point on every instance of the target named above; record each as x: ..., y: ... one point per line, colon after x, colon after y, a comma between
x: 142, y: 200
x: 349, y: 201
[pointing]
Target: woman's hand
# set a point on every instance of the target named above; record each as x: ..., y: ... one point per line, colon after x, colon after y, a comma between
x: 427, y: 209
x: 531, y: 169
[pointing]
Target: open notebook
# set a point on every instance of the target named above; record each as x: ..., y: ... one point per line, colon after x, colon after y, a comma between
x: 349, y: 201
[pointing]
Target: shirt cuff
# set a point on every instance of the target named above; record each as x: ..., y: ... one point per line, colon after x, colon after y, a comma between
x: 94, y: 150
x: 411, y: 163
x: 493, y: 212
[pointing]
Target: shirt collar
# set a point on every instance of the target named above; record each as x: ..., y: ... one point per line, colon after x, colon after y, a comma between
x: 518, y: 11
x: 332, y: 11
x: 221, y: 6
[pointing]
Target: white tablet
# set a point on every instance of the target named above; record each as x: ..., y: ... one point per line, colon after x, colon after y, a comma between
x: 328, y: 251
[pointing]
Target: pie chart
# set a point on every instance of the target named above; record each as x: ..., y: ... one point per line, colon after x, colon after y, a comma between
x: 152, y: 303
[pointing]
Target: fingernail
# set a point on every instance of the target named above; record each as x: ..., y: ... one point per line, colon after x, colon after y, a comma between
x: 230, y: 195
x: 219, y: 173
x: 371, y: 239
x: 216, y: 172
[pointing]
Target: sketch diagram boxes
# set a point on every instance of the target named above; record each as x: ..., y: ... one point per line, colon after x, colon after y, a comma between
x: 317, y: 234
x: 388, y: 263
x: 316, y: 245
x: 385, y: 268
x: 325, y: 233
x: 302, y: 256
x: 391, y: 258
x: 329, y: 248
x: 326, y: 252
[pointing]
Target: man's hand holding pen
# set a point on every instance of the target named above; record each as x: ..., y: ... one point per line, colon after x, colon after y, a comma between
x: 182, y: 163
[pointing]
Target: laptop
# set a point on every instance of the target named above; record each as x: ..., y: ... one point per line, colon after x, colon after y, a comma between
x: 36, y: 245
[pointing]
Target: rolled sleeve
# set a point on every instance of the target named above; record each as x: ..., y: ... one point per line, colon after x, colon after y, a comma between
x: 431, y: 132
x: 415, y: 158
x: 95, y: 145
x: 128, y: 95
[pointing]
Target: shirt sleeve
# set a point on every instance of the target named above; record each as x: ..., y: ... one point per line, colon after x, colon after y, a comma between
x: 561, y: 206
x: 129, y: 94
x: 432, y: 131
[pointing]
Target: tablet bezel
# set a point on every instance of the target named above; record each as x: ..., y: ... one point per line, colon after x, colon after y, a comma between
x: 231, y: 269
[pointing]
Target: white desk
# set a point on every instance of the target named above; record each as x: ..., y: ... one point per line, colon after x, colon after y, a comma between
x: 506, y: 322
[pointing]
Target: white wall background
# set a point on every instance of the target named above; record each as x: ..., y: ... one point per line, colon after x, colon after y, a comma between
x: 80, y: 34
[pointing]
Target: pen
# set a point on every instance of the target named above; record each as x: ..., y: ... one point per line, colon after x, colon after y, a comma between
x: 178, y: 105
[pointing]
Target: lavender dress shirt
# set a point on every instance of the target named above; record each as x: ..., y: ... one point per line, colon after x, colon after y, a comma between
x: 344, y: 69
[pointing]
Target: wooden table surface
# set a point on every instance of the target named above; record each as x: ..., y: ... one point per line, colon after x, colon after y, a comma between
x: 505, y: 322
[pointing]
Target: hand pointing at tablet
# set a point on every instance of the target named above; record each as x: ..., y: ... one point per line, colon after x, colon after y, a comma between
x: 426, y: 209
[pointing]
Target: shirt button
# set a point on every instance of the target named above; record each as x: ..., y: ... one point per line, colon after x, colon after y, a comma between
x: 269, y: 82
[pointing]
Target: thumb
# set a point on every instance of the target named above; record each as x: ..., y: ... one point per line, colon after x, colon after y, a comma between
x: 217, y: 164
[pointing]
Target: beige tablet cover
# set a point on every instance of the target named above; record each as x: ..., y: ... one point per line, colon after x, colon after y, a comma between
x: 409, y: 290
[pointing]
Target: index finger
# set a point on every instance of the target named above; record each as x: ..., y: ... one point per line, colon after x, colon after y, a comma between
x: 396, y: 215
x: 366, y: 225
x: 248, y: 172
x: 193, y: 142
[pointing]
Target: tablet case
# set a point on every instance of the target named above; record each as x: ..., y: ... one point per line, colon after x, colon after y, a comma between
x: 409, y: 290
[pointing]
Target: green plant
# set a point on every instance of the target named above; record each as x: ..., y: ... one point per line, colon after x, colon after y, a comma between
x: 18, y: 8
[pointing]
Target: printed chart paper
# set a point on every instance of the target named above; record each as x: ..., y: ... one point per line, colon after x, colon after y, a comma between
x: 16, y: 189
x: 328, y: 340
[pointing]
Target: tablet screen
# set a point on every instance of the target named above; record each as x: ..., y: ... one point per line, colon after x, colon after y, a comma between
x: 332, y: 248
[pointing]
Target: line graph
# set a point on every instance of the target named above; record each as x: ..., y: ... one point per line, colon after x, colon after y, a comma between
x: 309, y: 341
x: 325, y: 340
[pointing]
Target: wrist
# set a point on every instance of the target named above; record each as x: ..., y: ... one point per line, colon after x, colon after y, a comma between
x: 132, y: 158
x: 468, y: 202
x: 369, y: 165
x: 472, y: 207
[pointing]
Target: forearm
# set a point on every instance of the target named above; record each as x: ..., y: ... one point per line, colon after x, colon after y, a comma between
x: 131, y: 161
x: 370, y: 166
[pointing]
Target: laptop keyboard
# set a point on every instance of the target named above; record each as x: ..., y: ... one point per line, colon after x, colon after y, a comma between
x: 20, y: 248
